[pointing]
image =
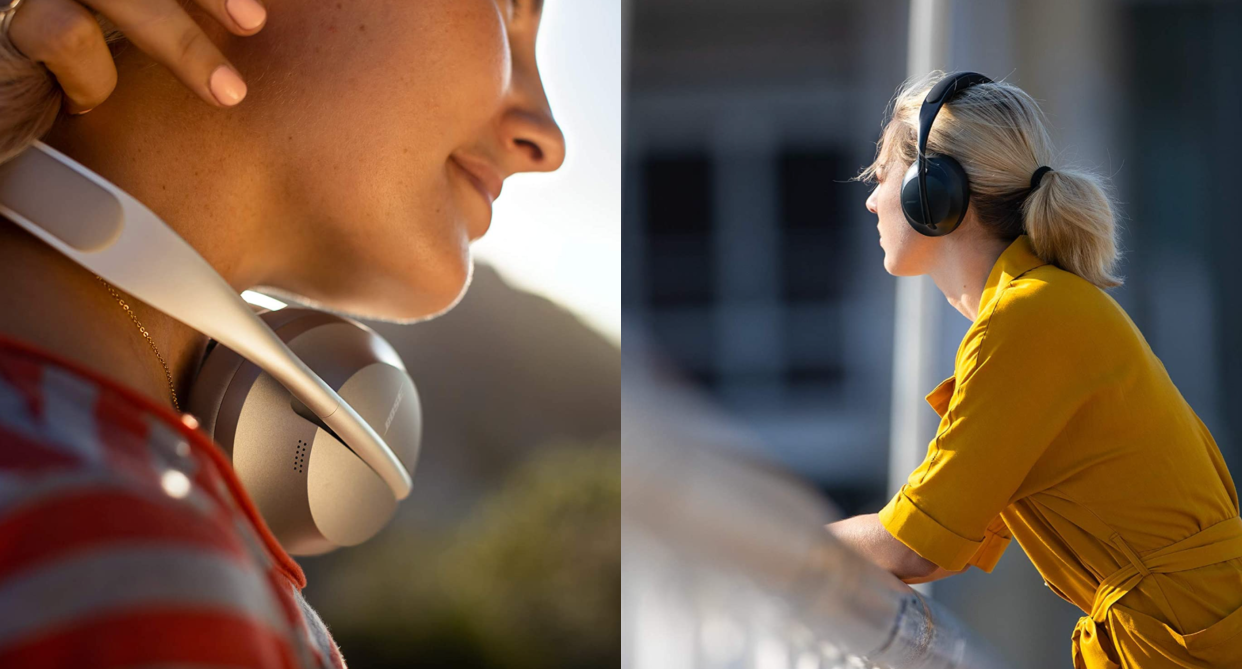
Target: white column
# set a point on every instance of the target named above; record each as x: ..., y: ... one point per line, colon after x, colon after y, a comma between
x: 916, y: 322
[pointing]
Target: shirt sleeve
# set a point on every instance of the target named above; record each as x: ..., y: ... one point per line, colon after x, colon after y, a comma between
x: 1019, y: 382
x: 996, y: 539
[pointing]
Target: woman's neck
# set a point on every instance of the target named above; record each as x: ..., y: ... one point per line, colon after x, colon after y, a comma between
x: 51, y: 302
x: 962, y: 270
x: 54, y: 304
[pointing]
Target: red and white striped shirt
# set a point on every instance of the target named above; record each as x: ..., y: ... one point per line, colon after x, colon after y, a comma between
x: 127, y: 541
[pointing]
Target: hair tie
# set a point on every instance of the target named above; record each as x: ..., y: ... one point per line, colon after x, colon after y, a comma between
x: 1038, y: 176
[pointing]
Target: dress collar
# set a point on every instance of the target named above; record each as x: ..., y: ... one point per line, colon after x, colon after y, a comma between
x: 1018, y: 259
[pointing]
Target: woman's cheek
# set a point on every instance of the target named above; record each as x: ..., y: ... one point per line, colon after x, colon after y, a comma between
x: 891, y: 217
x: 481, y: 61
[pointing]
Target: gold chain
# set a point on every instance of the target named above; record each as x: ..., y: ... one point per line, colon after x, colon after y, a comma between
x: 145, y: 335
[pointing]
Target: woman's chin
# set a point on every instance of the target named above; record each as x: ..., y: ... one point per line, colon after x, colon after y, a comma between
x: 895, y: 267
x: 398, y: 298
x: 415, y: 308
x: 890, y: 264
x: 448, y: 299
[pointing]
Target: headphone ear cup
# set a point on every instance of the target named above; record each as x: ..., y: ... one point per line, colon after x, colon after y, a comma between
x: 911, y: 201
x: 948, y: 194
x: 313, y: 492
x: 234, y: 402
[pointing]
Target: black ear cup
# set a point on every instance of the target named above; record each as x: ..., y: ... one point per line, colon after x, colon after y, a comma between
x: 948, y: 194
x: 935, y: 191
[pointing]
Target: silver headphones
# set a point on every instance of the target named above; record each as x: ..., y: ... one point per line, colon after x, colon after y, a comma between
x: 326, y: 457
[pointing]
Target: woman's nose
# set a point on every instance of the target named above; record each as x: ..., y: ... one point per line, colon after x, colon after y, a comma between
x: 533, y: 139
x: 871, y: 204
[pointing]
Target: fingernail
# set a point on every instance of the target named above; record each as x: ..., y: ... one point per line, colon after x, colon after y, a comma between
x: 248, y: 14
x: 227, y: 86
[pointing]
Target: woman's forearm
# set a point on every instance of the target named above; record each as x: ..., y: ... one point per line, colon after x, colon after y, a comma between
x: 868, y: 537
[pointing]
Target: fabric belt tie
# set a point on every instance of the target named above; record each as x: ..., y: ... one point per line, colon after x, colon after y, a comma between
x: 1218, y: 543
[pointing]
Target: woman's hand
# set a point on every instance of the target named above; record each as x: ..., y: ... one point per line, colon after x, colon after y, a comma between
x: 63, y: 35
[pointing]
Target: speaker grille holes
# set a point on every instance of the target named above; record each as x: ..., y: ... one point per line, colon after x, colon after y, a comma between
x: 299, y: 457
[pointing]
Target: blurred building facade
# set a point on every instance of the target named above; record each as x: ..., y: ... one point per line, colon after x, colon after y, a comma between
x: 750, y: 261
x: 742, y: 123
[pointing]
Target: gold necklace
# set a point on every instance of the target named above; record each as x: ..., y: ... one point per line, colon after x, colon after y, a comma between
x: 145, y: 335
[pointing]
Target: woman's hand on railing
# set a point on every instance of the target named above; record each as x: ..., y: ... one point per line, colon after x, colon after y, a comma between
x: 65, y: 37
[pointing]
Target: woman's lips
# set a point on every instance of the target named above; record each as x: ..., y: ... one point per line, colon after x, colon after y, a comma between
x: 482, y: 176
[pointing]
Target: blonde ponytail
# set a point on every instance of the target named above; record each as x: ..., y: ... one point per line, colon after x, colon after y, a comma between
x: 30, y: 98
x: 1071, y: 224
x: 998, y: 134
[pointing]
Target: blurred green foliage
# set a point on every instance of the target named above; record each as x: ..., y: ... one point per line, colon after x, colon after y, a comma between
x: 531, y: 579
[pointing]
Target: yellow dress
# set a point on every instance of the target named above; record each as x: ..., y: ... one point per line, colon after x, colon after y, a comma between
x: 1061, y: 428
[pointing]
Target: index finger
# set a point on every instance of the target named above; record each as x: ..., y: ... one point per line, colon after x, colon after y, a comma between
x: 166, y: 33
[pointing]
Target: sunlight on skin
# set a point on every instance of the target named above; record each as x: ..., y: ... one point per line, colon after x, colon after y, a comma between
x: 559, y: 234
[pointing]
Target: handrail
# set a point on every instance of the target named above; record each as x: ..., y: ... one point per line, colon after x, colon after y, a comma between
x: 727, y: 563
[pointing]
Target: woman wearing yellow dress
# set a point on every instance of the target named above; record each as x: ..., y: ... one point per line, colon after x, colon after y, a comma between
x: 1059, y: 426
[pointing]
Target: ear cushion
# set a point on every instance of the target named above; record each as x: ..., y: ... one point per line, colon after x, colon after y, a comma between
x: 948, y: 194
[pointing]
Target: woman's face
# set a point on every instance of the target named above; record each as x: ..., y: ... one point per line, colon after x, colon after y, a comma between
x: 388, y: 127
x: 906, y: 252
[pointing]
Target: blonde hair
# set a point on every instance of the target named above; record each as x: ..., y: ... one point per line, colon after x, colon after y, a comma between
x: 997, y: 132
x: 30, y: 98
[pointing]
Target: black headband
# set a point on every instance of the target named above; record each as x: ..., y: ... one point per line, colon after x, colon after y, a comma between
x: 940, y: 94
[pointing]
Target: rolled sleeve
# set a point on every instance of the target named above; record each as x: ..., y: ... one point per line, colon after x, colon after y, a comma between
x: 1019, y: 379
x: 924, y: 535
x: 995, y: 540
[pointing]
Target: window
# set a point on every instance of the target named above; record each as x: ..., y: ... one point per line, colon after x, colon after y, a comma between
x: 813, y: 224
x: 678, y: 197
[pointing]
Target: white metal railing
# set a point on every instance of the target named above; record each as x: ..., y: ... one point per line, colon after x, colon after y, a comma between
x: 726, y: 563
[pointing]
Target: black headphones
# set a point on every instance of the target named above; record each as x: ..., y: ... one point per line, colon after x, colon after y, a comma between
x: 935, y: 191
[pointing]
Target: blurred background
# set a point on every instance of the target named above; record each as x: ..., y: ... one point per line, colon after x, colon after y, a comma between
x: 752, y: 271
x: 507, y: 553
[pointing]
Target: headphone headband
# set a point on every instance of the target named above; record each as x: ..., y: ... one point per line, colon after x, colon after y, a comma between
x: 939, y: 96
x: 103, y: 228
